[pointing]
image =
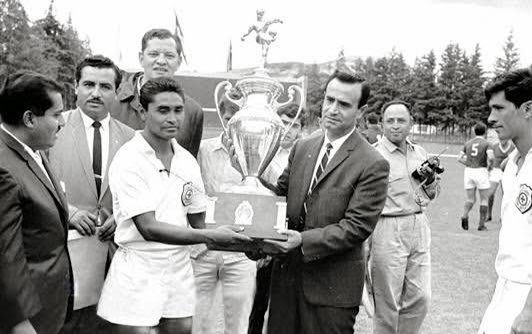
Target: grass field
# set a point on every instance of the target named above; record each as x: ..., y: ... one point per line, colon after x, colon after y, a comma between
x: 463, y: 275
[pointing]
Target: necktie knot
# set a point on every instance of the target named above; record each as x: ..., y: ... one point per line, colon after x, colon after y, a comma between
x: 96, y: 124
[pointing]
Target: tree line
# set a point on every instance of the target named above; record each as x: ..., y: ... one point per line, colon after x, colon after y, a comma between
x: 445, y: 93
x: 45, y: 46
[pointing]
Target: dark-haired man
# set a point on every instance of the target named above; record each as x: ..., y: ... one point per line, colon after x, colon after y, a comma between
x: 510, y: 310
x: 335, y: 184
x: 477, y: 156
x: 160, y: 56
x: 158, y: 195
x: 400, y: 244
x: 84, y: 150
x: 373, y: 133
x: 35, y: 273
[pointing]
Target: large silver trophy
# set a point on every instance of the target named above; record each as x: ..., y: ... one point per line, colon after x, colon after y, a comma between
x: 256, y: 131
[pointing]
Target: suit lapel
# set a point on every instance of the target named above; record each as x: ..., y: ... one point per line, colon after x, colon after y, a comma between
x: 57, y: 186
x: 114, y: 145
x: 82, y: 148
x: 343, y: 152
x: 32, y: 165
x: 310, y: 162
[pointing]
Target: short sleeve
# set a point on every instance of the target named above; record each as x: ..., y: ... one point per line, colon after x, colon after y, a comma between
x: 130, y: 189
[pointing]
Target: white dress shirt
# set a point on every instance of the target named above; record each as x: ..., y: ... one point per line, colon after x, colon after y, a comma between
x: 336, y: 144
x: 104, y: 132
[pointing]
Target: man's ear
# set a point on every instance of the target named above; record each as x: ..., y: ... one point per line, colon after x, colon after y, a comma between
x: 141, y: 56
x: 28, y: 118
x: 527, y: 109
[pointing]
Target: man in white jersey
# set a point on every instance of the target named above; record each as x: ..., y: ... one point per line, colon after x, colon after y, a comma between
x: 157, y: 193
x: 510, y: 310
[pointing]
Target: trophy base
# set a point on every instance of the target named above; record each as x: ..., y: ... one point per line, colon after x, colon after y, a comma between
x: 254, y: 208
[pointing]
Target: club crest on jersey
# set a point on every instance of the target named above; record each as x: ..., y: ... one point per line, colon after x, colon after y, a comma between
x: 524, y: 199
x: 187, y: 194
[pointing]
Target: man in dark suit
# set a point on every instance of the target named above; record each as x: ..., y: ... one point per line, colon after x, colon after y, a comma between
x: 81, y: 158
x: 335, y: 184
x: 161, y: 56
x: 35, y: 273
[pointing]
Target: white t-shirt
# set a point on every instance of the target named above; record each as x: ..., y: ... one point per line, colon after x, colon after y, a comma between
x: 514, y: 259
x: 139, y: 184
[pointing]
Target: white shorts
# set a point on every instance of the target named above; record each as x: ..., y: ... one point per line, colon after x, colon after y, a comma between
x: 495, y: 175
x: 507, y: 302
x: 142, y: 287
x: 476, y: 178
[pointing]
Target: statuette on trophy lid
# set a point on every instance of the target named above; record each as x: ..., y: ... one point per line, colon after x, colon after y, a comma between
x: 264, y: 36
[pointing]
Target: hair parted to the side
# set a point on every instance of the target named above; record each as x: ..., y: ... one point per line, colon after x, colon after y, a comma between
x: 155, y: 86
x: 516, y: 85
x: 23, y: 91
x: 350, y: 78
x: 99, y: 61
x: 161, y: 34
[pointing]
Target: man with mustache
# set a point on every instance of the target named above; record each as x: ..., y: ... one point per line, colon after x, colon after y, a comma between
x: 510, y: 310
x: 85, y: 148
x: 160, y: 56
x: 35, y: 275
x: 400, y: 244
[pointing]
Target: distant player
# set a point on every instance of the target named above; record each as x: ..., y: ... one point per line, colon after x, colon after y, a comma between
x: 501, y: 150
x: 477, y: 156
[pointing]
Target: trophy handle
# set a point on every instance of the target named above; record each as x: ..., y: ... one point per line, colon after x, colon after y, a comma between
x: 227, y: 85
x: 291, y: 92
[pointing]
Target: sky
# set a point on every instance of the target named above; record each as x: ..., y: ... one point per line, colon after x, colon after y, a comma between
x: 312, y: 31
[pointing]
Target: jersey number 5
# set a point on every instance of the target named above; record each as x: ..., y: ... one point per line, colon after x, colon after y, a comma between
x: 474, y: 150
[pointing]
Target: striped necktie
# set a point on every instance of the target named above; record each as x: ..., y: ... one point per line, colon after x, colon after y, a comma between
x: 321, y: 166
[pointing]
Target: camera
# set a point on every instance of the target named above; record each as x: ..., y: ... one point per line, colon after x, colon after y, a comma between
x: 434, y: 164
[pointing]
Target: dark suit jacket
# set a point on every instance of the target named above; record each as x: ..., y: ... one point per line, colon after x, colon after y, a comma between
x: 35, y: 273
x: 128, y: 110
x: 342, y: 212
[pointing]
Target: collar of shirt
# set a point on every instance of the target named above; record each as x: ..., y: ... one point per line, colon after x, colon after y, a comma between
x: 219, y: 144
x: 336, y: 144
x: 145, y: 148
x: 87, y: 121
x: 517, y: 156
x: 391, y: 147
x: 34, y: 154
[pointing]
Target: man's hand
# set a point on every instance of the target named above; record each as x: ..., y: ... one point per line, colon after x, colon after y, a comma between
x: 523, y: 323
x: 24, y: 327
x: 263, y: 262
x: 228, y: 143
x: 227, y: 235
x: 84, y: 222
x: 274, y: 247
x: 107, y: 231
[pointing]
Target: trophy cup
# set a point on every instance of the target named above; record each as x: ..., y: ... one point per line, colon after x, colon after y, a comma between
x: 256, y: 131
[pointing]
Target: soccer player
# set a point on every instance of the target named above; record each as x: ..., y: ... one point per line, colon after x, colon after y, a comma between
x: 477, y: 157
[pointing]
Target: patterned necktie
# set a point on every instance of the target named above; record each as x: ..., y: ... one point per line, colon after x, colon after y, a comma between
x: 321, y: 166
x: 97, y: 156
